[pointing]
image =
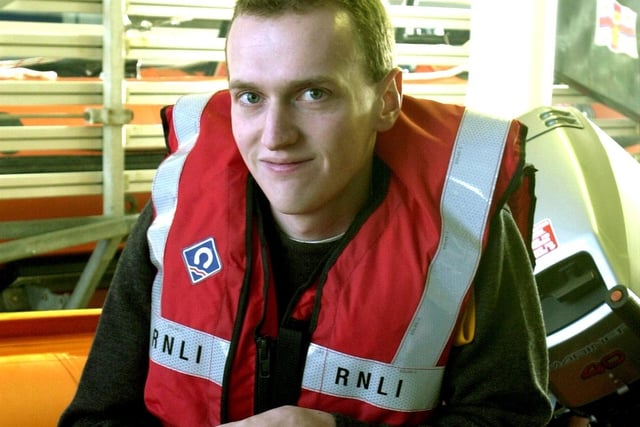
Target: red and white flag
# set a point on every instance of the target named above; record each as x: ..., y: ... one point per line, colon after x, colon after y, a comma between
x: 616, y: 28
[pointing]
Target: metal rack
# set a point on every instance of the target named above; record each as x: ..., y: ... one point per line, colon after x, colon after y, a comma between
x: 108, y: 127
x: 124, y: 34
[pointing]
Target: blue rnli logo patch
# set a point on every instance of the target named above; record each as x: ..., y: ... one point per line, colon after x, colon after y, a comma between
x: 202, y: 260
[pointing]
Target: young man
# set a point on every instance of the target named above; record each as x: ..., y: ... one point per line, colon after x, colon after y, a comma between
x: 320, y: 252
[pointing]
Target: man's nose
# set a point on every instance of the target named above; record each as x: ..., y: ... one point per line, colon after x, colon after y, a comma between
x: 279, y: 128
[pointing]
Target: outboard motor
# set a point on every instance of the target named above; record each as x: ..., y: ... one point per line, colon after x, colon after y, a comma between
x: 586, y: 241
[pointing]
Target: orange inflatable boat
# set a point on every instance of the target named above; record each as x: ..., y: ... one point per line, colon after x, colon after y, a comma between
x: 42, y: 355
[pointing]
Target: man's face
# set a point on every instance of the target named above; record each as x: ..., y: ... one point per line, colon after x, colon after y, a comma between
x: 304, y: 115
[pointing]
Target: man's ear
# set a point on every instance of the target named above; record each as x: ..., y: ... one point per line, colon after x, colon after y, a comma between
x: 391, y: 97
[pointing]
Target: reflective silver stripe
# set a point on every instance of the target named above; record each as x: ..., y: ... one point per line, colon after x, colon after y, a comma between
x: 187, y: 350
x: 186, y: 122
x: 466, y: 199
x: 186, y: 118
x: 379, y: 384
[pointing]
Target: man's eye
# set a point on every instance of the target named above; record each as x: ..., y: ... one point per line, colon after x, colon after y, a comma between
x: 313, y: 94
x: 249, y: 98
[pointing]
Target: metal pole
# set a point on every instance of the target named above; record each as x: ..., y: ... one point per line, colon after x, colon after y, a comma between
x: 45, y: 116
x: 113, y: 59
x: 92, y: 273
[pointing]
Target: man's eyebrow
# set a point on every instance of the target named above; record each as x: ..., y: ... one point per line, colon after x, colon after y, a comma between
x: 236, y: 84
x: 312, y: 81
x: 295, y: 84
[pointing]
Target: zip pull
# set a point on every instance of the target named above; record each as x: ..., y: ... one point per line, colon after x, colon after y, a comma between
x: 264, y: 345
x: 262, y: 398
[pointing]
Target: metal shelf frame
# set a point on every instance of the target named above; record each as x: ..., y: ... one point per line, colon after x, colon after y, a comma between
x: 112, y: 41
x: 108, y: 230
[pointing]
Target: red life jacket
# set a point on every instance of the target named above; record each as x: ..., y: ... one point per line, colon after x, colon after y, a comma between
x: 386, y: 310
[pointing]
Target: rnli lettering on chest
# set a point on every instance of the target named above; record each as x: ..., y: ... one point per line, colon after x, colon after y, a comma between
x: 378, y: 384
x: 176, y: 347
x: 187, y: 350
x: 202, y: 260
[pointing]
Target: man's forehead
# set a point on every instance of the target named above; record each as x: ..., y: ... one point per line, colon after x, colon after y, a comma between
x: 319, y: 39
x: 329, y: 19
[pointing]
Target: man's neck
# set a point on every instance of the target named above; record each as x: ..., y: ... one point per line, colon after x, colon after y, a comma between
x: 308, y: 228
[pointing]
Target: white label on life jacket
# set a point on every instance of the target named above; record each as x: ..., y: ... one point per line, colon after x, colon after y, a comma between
x: 379, y: 384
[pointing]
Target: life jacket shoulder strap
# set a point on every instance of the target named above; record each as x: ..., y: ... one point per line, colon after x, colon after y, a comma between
x: 465, y: 206
x: 181, y: 121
